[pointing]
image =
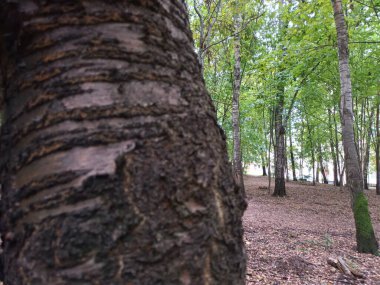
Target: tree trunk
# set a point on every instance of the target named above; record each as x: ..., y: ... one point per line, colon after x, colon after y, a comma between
x: 263, y: 164
x: 317, y: 174
x: 237, y: 165
x: 322, y: 168
x: 338, y: 161
x: 206, y: 25
x: 378, y: 146
x: 279, y: 129
x: 365, y: 237
x: 286, y: 160
x: 279, y: 184
x: 310, y: 135
x: 279, y: 169
x: 269, y: 150
x: 292, y: 161
x: 114, y: 170
x: 302, y: 148
x: 367, y: 150
x: 333, y: 153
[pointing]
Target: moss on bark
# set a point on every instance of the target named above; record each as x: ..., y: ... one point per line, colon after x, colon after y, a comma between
x: 366, y: 241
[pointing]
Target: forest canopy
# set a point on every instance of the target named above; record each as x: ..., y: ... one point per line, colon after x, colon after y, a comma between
x: 291, y: 45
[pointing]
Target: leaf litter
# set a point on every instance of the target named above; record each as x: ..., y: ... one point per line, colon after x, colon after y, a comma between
x: 288, y: 240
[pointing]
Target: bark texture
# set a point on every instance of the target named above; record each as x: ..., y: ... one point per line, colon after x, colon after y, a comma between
x: 377, y: 150
x: 365, y: 237
x: 114, y: 170
x: 279, y: 127
x: 237, y: 163
x: 279, y: 169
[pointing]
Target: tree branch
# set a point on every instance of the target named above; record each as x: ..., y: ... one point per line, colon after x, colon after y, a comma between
x: 234, y: 34
x: 296, y: 93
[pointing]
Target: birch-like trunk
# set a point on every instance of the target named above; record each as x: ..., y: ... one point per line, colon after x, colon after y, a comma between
x: 292, y: 160
x: 365, y: 237
x: 114, y: 170
x: 237, y: 163
x: 367, y: 150
x: 333, y: 151
x: 310, y: 137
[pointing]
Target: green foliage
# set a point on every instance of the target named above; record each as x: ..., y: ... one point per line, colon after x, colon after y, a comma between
x: 301, y: 56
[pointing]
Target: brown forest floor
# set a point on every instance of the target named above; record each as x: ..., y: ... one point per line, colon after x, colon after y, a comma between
x: 288, y: 240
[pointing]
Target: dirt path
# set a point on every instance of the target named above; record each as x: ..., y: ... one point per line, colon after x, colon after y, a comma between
x: 288, y: 240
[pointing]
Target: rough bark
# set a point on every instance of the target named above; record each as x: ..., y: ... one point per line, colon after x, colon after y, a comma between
x: 365, y: 237
x: 114, y: 170
x: 279, y: 173
x: 279, y: 150
x: 279, y: 128
x: 237, y: 163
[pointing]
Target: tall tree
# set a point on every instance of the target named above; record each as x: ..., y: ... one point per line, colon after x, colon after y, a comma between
x: 378, y: 146
x: 279, y: 126
x: 292, y: 160
x: 206, y: 23
x: 237, y: 163
x: 365, y: 237
x: 114, y: 170
x: 367, y: 150
x: 333, y: 152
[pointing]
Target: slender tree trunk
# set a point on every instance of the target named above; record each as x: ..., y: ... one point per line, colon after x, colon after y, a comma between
x: 333, y: 153
x: 302, y: 148
x: 263, y: 164
x: 108, y: 173
x: 279, y: 129
x: 313, y: 163
x: 337, y: 148
x: 378, y: 146
x: 269, y: 150
x: 279, y: 186
x: 292, y: 161
x: 237, y: 164
x: 286, y: 161
x: 310, y: 136
x: 322, y: 168
x: 280, y: 150
x: 365, y: 237
x: 317, y: 173
x: 341, y: 176
x: 264, y: 161
x: 206, y: 25
x: 367, y: 151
